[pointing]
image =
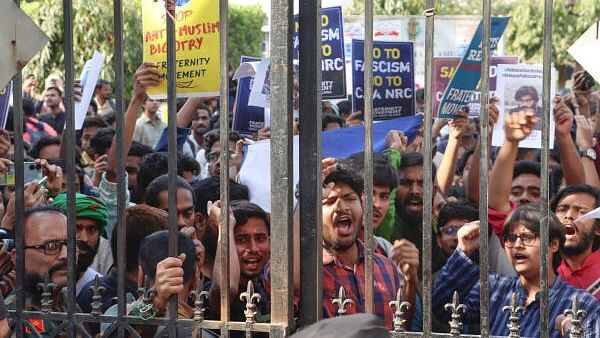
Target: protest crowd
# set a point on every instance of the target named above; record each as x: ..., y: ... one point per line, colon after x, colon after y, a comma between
x: 514, y: 212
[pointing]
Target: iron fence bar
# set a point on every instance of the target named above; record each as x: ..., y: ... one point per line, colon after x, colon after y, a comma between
x: 483, y: 170
x: 19, y: 197
x: 311, y: 253
x: 427, y: 169
x: 368, y: 183
x: 224, y: 169
x: 172, y: 155
x: 70, y: 153
x: 121, y: 185
x: 546, y: 116
x: 281, y: 164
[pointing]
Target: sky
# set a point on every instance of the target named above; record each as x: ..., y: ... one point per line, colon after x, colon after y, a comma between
x: 266, y: 4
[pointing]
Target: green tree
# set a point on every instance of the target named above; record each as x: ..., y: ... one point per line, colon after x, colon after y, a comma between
x: 92, y: 30
x: 245, y: 35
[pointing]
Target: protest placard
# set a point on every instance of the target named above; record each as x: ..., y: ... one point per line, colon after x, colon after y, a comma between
x: 519, y: 88
x: 445, y: 67
x: 333, y: 74
x: 461, y: 89
x: 586, y: 50
x: 197, y: 43
x: 5, y: 95
x: 393, y: 79
x: 246, y: 119
x: 87, y: 80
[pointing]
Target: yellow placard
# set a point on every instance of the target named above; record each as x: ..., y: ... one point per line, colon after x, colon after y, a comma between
x: 197, y: 34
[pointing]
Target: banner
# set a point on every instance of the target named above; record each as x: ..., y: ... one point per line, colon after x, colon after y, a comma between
x: 246, y: 119
x: 465, y: 81
x: 197, y: 34
x: 519, y: 88
x: 445, y: 67
x: 333, y: 70
x: 393, y: 79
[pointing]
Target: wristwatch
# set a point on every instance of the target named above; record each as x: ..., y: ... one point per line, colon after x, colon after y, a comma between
x: 591, y: 153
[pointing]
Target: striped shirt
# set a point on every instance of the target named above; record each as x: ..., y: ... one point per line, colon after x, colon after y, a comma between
x: 386, y: 282
x: 462, y: 274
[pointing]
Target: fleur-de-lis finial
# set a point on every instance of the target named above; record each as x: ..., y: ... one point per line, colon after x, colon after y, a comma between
x: 342, y: 302
x: 47, y: 288
x: 97, y: 290
x: 400, y: 307
x: 514, y: 310
x: 250, y: 297
x: 147, y: 310
x: 456, y: 308
x: 199, y: 298
x: 577, y: 315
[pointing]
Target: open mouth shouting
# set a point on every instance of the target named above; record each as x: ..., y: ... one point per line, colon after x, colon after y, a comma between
x: 343, y: 225
x: 520, y: 258
x: 252, y: 263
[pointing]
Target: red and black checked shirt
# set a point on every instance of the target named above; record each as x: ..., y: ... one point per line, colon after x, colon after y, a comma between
x: 385, y: 278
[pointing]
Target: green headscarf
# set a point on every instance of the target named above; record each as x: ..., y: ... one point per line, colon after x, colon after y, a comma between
x: 86, y: 207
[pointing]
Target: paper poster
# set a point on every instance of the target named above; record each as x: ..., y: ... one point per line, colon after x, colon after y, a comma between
x: 445, y: 67
x: 333, y: 74
x: 5, y: 97
x: 520, y: 88
x: 198, y: 56
x: 393, y: 79
x: 465, y: 81
x: 260, y: 93
x: 87, y: 79
x: 247, y: 119
x: 586, y: 50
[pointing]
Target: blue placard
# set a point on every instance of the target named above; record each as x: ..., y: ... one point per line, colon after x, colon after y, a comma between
x: 463, y: 85
x: 5, y: 95
x: 393, y: 79
x: 333, y: 66
x: 247, y: 120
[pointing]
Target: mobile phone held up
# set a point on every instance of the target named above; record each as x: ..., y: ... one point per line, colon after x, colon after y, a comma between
x: 31, y: 171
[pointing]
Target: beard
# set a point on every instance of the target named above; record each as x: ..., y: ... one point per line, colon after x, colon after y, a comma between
x: 336, y: 246
x: 412, y: 218
x: 33, y: 282
x: 586, y: 241
x: 84, y: 260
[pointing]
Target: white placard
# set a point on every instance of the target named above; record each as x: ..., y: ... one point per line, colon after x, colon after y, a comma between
x: 594, y: 214
x: 586, y: 50
x: 261, y: 86
x: 88, y: 80
x: 513, y: 81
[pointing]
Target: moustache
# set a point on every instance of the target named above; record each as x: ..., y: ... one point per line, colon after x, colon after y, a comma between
x: 56, y: 267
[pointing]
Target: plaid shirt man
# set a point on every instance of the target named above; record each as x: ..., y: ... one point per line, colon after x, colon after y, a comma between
x: 461, y: 273
x: 386, y: 282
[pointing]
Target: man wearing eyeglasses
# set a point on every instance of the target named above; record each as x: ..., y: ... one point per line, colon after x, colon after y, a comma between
x: 521, y: 237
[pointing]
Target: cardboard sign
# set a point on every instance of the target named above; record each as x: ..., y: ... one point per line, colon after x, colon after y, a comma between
x: 465, y: 81
x: 519, y: 88
x: 586, y: 50
x: 393, y: 79
x: 197, y: 42
x: 333, y: 66
x: 88, y: 78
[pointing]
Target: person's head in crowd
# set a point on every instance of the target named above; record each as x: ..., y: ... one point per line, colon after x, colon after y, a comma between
x: 331, y: 122
x: 79, y: 180
x: 187, y: 167
x: 527, y: 98
x: 344, y: 109
x: 92, y: 109
x: 29, y: 86
x: 155, y: 248
x: 525, y: 186
x: 140, y: 221
x: 157, y: 195
x: 359, y: 325
x: 111, y: 119
x: 210, y: 192
x: 252, y: 236
x: 132, y: 163
x: 151, y: 106
x: 47, y: 148
x: 200, y: 122
x: 583, y: 237
x: 213, y: 149
x: 91, y: 124
x: 91, y: 217
x: 103, y: 90
x: 28, y: 109
x: 439, y: 200
x: 45, y: 243
x: 342, y: 210
x: 521, y: 238
x: 150, y: 167
x: 101, y: 141
x: 463, y: 165
x: 329, y: 107
x: 53, y: 98
x: 451, y: 218
x: 54, y: 80
x: 409, y: 193
x: 420, y: 100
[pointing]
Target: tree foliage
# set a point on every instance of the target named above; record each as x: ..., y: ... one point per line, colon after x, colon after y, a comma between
x: 245, y: 32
